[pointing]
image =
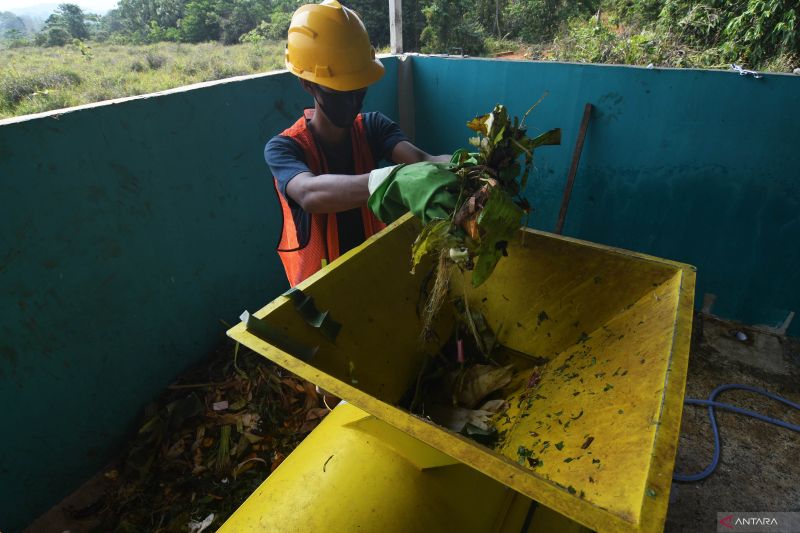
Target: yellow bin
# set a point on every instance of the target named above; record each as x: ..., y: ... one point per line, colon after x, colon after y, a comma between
x: 597, y: 441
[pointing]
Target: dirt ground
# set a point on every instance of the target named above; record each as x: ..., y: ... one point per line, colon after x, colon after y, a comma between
x: 759, y: 469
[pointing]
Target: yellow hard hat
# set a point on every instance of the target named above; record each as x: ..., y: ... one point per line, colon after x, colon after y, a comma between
x: 328, y: 44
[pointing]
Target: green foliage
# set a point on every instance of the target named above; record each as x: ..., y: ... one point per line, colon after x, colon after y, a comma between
x: 592, y: 42
x: 155, y: 60
x: 764, y: 29
x: 682, y: 33
x: 413, y: 23
x: 638, y: 12
x: 491, y: 15
x: 15, y: 87
x: 375, y: 16
x: 539, y: 20
x: 71, y: 19
x: 157, y: 34
x: 275, y: 29
x: 242, y: 18
x: 696, y: 24
x: 11, y: 26
x: 471, y: 21
x: 133, y: 15
x: 15, y: 39
x: 762, y: 34
x: 451, y: 25
x: 715, y: 31
x: 57, y: 36
x: 202, y: 21
x: 36, y: 79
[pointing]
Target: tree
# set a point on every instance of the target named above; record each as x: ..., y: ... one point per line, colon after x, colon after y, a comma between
x: 413, y: 23
x: 451, y: 24
x: 71, y: 18
x: 375, y: 16
x: 112, y: 22
x: 169, y: 12
x: 744, y: 30
x: 136, y: 14
x: 273, y: 29
x: 10, y: 22
x: 491, y: 15
x: 244, y: 16
x: 764, y: 28
x: 202, y: 21
x: 57, y: 36
x: 537, y: 21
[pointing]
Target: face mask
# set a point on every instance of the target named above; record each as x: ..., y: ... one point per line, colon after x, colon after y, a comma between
x: 341, y: 108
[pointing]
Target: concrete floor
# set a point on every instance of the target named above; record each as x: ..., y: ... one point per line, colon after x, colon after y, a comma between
x: 759, y: 468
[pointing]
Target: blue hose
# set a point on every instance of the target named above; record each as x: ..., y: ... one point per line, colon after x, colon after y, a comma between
x: 713, y: 404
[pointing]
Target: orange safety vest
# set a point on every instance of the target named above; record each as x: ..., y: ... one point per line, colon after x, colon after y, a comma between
x: 323, y: 243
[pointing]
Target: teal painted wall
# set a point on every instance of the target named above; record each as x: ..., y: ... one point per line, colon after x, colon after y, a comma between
x: 129, y: 230
x: 695, y: 166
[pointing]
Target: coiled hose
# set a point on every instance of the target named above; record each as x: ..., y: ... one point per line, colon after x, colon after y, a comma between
x: 712, y: 404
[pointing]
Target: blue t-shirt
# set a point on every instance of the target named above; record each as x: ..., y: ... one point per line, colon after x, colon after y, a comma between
x: 286, y: 160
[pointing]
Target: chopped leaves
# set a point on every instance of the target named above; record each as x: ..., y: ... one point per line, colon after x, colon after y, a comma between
x: 190, y: 460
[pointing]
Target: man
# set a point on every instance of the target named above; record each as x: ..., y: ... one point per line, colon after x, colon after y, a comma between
x: 322, y: 163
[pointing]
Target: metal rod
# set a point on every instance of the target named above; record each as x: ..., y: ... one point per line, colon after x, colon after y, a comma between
x: 573, y: 169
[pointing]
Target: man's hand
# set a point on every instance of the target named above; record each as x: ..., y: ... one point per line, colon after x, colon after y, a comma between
x: 428, y: 190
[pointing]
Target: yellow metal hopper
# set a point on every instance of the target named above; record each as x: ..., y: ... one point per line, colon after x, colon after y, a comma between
x: 595, y: 440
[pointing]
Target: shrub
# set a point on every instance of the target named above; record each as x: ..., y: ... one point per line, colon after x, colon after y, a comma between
x: 119, y: 38
x: 18, y: 43
x: 536, y: 21
x: 764, y: 29
x: 640, y: 13
x: 157, y: 34
x: 58, y: 36
x: 14, y: 89
x: 46, y: 101
x: 273, y: 30
x: 449, y: 25
x: 590, y: 41
x: 155, y: 60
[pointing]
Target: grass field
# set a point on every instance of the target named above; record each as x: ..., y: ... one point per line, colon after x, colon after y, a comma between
x: 34, y: 79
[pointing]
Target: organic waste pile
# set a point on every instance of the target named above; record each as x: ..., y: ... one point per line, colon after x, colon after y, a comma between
x: 455, y: 388
x: 206, y: 445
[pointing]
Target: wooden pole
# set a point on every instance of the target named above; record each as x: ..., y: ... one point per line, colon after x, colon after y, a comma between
x: 396, y: 26
x: 573, y: 169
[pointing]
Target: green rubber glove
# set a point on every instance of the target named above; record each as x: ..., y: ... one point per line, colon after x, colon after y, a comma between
x: 428, y: 190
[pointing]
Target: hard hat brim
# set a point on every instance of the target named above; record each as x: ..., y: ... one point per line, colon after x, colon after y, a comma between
x: 345, y: 82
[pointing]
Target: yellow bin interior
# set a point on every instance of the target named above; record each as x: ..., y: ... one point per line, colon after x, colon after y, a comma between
x: 601, y: 425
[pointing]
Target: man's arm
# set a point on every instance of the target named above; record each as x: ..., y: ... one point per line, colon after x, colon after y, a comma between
x: 331, y: 193
x: 405, y: 152
x: 328, y: 193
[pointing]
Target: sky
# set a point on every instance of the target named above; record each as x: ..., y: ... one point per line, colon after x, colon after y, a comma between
x: 90, y: 5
